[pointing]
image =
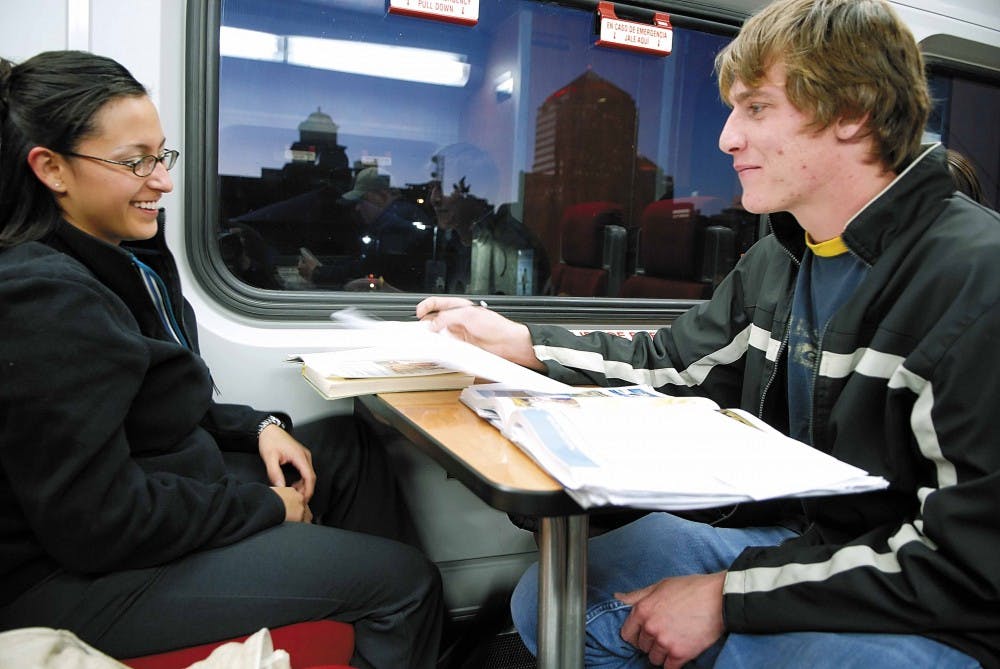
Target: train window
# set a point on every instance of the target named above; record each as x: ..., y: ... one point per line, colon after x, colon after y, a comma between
x: 360, y: 150
x: 963, y: 118
x: 364, y: 157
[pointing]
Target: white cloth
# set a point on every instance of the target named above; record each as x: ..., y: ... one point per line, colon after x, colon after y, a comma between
x: 46, y: 648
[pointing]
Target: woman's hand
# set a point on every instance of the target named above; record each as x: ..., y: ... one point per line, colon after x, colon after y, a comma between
x: 277, y: 448
x: 296, y: 508
x: 479, y: 326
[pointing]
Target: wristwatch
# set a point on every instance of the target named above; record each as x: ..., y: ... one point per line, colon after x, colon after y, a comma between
x: 270, y: 420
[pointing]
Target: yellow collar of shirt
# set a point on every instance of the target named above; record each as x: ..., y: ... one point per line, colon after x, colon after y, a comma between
x: 828, y: 249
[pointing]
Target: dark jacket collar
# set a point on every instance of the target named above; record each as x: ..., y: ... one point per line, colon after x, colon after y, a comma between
x: 922, y: 187
x: 114, y: 267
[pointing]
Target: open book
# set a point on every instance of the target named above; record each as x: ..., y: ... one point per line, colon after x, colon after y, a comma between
x: 406, y: 355
x: 413, y: 341
x: 633, y: 446
x: 360, y: 371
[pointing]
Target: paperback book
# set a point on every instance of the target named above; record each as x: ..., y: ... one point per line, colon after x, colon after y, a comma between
x: 362, y: 371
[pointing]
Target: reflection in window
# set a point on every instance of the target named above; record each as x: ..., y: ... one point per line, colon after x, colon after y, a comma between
x: 366, y: 151
x: 963, y: 107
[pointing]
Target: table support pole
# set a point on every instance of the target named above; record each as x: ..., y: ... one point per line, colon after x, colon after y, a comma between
x: 575, y: 591
x: 551, y: 590
x: 562, y: 576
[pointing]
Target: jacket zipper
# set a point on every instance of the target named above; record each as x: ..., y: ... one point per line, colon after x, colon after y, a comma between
x: 815, y: 376
x: 781, y: 347
x: 774, y: 373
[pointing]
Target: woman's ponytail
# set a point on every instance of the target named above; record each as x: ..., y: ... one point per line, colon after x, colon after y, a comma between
x: 6, y: 67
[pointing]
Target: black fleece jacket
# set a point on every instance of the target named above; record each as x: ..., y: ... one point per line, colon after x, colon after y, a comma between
x: 110, y: 442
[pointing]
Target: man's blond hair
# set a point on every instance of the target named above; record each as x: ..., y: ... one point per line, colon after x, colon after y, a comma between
x: 844, y: 59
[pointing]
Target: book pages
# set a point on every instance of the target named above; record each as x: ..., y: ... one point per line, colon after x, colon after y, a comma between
x: 636, y: 447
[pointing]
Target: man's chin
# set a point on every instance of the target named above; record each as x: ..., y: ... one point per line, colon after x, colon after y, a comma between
x: 753, y: 207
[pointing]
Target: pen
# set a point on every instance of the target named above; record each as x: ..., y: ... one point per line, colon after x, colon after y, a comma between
x: 481, y: 303
x: 736, y: 416
x: 432, y: 314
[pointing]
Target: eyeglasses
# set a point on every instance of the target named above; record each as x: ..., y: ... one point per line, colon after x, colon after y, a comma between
x: 142, y: 166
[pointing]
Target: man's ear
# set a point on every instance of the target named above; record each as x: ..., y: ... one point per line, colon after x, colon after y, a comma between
x: 851, y: 129
x: 49, y: 167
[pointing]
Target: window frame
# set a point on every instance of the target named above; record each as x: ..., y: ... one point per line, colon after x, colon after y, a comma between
x: 972, y: 73
x: 202, y: 195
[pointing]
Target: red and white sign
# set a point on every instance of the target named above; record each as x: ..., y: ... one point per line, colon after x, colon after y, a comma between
x: 657, y: 39
x: 465, y: 12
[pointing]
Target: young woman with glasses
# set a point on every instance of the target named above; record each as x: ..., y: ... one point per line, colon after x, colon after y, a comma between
x: 135, y: 510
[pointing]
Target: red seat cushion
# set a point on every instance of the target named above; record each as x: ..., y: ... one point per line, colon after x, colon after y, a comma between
x: 582, y: 230
x: 581, y: 272
x: 667, y: 240
x: 311, y: 645
x: 668, y: 254
x: 579, y: 281
x: 654, y: 286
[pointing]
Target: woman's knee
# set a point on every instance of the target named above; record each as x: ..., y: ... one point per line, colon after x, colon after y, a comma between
x: 413, y: 568
x: 298, y: 555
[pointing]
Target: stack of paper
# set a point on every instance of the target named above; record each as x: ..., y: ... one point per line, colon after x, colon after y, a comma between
x: 636, y: 447
x: 414, y: 339
x: 407, y: 356
x: 629, y: 446
x: 363, y: 371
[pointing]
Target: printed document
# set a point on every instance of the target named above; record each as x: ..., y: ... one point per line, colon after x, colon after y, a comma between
x: 633, y: 446
x: 415, y: 340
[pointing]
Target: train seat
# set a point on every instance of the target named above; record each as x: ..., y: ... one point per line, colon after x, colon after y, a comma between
x: 667, y: 255
x: 592, y: 247
x: 319, y: 644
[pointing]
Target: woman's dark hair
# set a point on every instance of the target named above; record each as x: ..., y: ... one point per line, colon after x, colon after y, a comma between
x: 48, y: 100
x: 964, y: 175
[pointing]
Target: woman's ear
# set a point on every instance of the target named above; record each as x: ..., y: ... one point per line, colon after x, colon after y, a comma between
x: 48, y: 167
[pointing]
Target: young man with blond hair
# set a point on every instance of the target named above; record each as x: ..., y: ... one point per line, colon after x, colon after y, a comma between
x: 865, y: 325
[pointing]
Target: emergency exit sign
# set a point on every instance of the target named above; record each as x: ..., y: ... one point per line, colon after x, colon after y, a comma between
x: 656, y: 38
x: 465, y: 12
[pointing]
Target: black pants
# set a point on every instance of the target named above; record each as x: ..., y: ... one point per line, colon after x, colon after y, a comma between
x: 290, y: 573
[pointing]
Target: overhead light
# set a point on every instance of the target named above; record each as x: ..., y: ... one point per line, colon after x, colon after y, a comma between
x: 428, y: 66
x: 251, y: 44
x: 503, y: 85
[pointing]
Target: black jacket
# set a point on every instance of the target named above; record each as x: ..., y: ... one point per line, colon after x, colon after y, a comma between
x: 109, y: 438
x: 907, y: 386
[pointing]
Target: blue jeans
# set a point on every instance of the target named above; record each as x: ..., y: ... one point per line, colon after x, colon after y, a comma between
x: 661, y: 545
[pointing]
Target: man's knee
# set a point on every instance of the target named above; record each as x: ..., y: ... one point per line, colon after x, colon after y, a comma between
x: 524, y: 608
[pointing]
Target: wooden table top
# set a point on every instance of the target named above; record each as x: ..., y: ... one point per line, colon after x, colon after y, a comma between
x: 472, y: 450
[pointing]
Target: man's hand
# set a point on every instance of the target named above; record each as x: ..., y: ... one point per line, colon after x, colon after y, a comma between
x: 277, y: 448
x: 479, y: 326
x: 307, y: 265
x: 675, y: 620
